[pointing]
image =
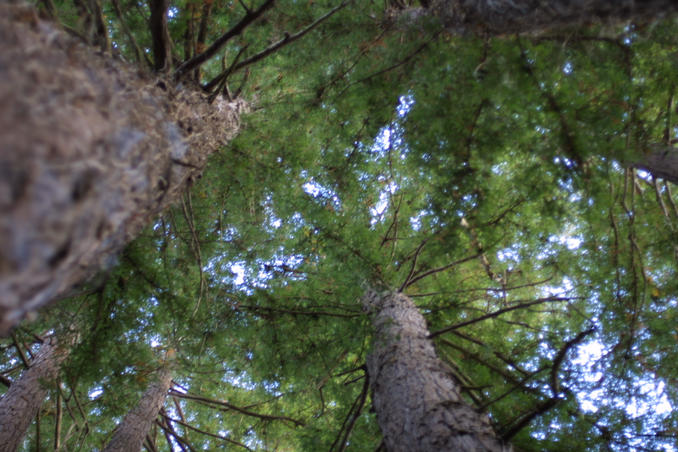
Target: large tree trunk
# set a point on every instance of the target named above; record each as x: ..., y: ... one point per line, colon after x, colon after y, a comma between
x: 22, y: 401
x: 499, y: 17
x: 91, y: 151
x: 129, y: 435
x: 416, y: 399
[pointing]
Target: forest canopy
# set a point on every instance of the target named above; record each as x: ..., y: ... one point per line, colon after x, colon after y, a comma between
x: 512, y: 185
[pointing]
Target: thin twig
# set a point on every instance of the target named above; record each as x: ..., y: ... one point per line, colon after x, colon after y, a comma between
x: 440, y: 269
x: 188, y: 216
x: 393, y: 66
x: 58, y: 419
x: 496, y: 314
x: 212, y: 50
x: 558, y: 360
x: 405, y: 283
x: 352, y: 416
x: 213, y: 435
x: 228, y: 406
x: 551, y: 402
x: 223, y: 77
x: 149, y: 445
x: 21, y: 352
x: 288, y: 39
x: 181, y: 441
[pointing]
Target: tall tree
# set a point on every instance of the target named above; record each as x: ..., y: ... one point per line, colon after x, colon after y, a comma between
x: 418, y: 402
x: 20, y: 404
x: 132, y: 431
x: 92, y: 151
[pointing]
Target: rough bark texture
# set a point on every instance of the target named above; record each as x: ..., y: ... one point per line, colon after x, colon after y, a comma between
x: 129, y: 435
x: 91, y: 152
x: 529, y: 16
x: 417, y: 400
x: 22, y: 401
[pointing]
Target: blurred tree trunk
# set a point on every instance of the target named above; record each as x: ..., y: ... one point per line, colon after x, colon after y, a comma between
x: 500, y: 17
x: 20, y: 404
x: 91, y: 152
x: 661, y: 161
x: 417, y: 401
x: 130, y: 433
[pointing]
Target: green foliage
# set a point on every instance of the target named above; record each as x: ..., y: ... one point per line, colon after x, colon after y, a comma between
x: 484, y: 177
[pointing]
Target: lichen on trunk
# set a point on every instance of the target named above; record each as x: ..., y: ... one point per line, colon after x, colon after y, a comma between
x: 91, y: 152
x: 415, y: 396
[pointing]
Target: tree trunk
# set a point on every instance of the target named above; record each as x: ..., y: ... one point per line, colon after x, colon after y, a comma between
x: 661, y: 162
x: 91, y: 152
x: 498, y: 17
x: 22, y: 401
x: 129, y: 435
x: 416, y: 399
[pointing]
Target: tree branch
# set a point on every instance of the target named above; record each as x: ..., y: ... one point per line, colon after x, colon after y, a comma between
x: 551, y: 402
x: 195, y: 429
x: 288, y: 39
x: 342, y: 440
x: 160, y: 34
x: 228, y: 406
x: 501, y: 17
x: 414, y: 264
x: 168, y: 428
x: 496, y: 314
x: 440, y: 269
x: 558, y: 360
x: 201, y: 58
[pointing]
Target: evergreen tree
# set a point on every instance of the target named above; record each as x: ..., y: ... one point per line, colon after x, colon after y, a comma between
x: 23, y: 399
x: 134, y: 428
x: 116, y: 149
x: 489, y: 179
x: 416, y: 397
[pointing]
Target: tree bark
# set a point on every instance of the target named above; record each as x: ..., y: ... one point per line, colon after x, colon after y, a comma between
x: 129, y: 435
x: 415, y: 396
x: 498, y: 17
x: 21, y: 402
x: 661, y: 162
x: 91, y: 152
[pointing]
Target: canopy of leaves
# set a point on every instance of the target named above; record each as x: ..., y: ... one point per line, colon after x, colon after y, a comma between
x: 487, y: 178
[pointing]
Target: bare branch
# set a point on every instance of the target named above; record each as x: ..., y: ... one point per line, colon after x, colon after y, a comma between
x: 195, y: 429
x: 440, y: 269
x: 201, y: 58
x: 496, y: 314
x: 288, y: 39
x: 414, y: 264
x: 342, y: 439
x: 229, y: 406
